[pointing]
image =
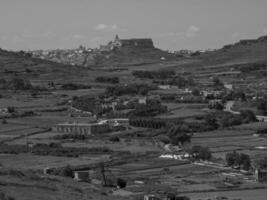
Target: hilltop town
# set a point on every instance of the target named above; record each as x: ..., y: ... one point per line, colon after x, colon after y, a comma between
x: 106, y: 54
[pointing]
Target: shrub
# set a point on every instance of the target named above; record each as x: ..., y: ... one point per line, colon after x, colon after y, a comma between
x: 121, y: 183
x: 66, y: 171
x: 19, y: 84
x: 262, y: 105
x: 74, y: 86
x: 199, y: 152
x: 262, y: 163
x: 103, y: 79
x: 164, y: 138
x: 240, y: 160
x: 130, y: 89
x: 178, y: 134
x: 114, y: 139
x: 248, y: 116
x: 4, y: 121
x: 3, y: 196
x: 160, y: 74
x: 11, y: 109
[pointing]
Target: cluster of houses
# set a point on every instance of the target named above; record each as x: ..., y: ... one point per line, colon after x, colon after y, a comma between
x: 81, y: 56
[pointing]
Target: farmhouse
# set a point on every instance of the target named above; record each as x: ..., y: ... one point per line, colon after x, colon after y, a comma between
x: 81, y: 175
x: 150, y: 197
x: 82, y: 128
x: 261, y: 175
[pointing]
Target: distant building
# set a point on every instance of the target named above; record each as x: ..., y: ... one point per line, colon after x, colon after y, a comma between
x: 82, y: 176
x: 124, y: 122
x: 82, y: 128
x: 118, y: 43
x: 142, y: 100
x: 151, y: 197
x: 261, y: 175
x: 164, y: 87
x: 228, y: 86
x: 215, y: 103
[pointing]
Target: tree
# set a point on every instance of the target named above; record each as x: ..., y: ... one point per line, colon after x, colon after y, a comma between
x: 11, y: 109
x: 102, y: 172
x: 245, y: 161
x: 262, y: 105
x: 121, y: 183
x: 4, y: 121
x: 217, y: 82
x: 19, y: 84
x: 66, y: 171
x: 262, y: 163
x: 179, y: 134
x: 211, y: 121
x: 114, y: 139
x: 196, y: 92
x: 200, y: 152
x: 232, y: 158
x: 248, y: 116
x: 240, y: 160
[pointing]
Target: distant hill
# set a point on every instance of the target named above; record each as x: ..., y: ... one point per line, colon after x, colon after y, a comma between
x: 134, y: 55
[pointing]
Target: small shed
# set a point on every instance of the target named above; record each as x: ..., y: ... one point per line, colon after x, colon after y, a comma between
x: 150, y: 197
x: 82, y: 175
x: 261, y: 175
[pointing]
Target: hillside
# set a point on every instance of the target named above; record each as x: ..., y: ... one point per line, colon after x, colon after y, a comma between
x: 37, y: 70
x: 135, y: 55
x: 244, y: 51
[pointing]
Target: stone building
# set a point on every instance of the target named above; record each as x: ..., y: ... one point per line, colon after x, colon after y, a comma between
x: 135, y: 42
x: 81, y: 128
x: 261, y: 175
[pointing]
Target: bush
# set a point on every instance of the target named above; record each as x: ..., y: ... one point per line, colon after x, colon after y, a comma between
x: 239, y: 160
x: 74, y: 86
x: 4, y: 121
x: 114, y: 139
x: 199, y: 152
x: 148, y: 123
x: 3, y: 196
x: 11, y: 109
x: 103, y: 79
x: 248, y: 116
x: 66, y: 171
x: 130, y: 89
x: 121, y: 183
x: 164, y: 138
x: 262, y: 163
x: 178, y: 134
x: 159, y: 74
x: 19, y: 84
x: 149, y: 109
x: 262, y: 105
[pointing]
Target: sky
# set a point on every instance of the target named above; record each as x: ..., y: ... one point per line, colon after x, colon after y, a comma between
x: 172, y: 24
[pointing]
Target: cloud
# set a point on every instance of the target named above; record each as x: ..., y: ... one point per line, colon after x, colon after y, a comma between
x: 191, y: 31
x: 105, y: 27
